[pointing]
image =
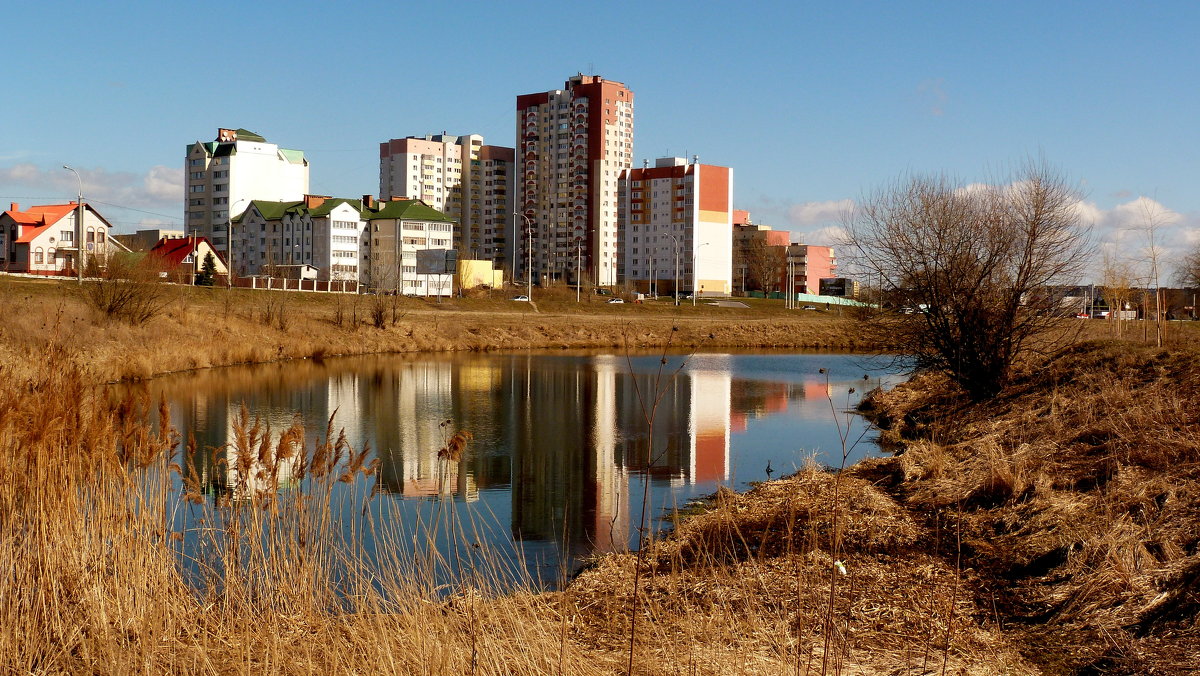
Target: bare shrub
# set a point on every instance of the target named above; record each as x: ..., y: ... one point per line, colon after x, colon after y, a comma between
x: 129, y: 289
x: 968, y: 269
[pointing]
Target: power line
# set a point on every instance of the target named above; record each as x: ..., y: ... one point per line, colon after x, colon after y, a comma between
x: 140, y: 211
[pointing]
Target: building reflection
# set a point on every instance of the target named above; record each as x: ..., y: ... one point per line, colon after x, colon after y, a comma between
x: 559, y: 441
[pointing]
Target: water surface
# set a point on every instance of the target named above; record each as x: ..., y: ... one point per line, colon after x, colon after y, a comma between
x: 563, y: 443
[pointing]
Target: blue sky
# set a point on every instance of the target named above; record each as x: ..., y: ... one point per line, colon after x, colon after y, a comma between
x: 812, y: 105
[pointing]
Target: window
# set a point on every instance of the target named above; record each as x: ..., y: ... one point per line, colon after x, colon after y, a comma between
x: 37, y: 256
x: 197, y: 174
x: 220, y: 188
x: 66, y: 236
x: 91, y: 236
x: 195, y: 188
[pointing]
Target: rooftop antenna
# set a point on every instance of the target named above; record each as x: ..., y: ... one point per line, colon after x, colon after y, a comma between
x: 645, y: 164
x: 695, y: 159
x: 591, y: 68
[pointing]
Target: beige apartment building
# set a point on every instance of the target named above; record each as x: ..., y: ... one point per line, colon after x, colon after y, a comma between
x: 470, y: 182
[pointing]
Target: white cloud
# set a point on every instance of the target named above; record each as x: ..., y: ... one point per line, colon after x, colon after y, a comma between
x: 160, y: 188
x: 1124, y: 231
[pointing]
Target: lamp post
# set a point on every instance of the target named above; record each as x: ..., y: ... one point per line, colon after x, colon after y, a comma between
x: 78, y: 227
x: 528, y: 251
x: 229, y: 243
x: 578, y: 266
x: 676, y: 240
x: 695, y: 259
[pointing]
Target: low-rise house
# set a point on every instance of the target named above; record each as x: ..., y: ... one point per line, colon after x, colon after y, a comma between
x: 144, y: 240
x: 182, y: 258
x: 40, y: 240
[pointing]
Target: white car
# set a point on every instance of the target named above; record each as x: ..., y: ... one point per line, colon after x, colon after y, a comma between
x: 610, y: 301
x: 521, y: 297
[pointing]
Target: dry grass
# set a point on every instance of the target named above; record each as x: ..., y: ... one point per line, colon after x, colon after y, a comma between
x: 1080, y: 487
x: 203, y: 327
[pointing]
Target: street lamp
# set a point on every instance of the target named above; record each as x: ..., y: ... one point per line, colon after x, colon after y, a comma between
x: 695, y: 258
x: 528, y: 251
x: 78, y: 227
x: 229, y: 242
x: 578, y: 266
x: 676, y: 239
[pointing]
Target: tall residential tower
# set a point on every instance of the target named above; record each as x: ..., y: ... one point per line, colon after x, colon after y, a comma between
x: 572, y: 145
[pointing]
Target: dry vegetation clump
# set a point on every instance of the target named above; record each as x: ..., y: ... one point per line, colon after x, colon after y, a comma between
x: 1080, y: 493
x: 753, y: 573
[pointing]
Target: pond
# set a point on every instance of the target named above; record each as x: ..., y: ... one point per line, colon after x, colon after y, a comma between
x: 560, y: 448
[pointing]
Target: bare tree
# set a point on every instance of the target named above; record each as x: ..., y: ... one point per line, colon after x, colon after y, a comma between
x: 1116, y: 279
x: 763, y: 264
x: 970, y: 269
x: 1187, y: 270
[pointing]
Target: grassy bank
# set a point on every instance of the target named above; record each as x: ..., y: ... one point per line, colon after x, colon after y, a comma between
x: 200, y: 327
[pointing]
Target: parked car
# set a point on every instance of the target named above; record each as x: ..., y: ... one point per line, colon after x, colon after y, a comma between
x: 610, y: 301
x: 809, y: 307
x: 521, y: 297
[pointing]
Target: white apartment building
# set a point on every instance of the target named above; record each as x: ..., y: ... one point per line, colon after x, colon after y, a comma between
x: 324, y: 232
x: 572, y: 145
x: 396, y: 230
x: 224, y: 175
x: 468, y: 181
x: 677, y: 224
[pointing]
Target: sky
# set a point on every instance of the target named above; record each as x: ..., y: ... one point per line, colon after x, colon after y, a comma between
x: 814, y: 106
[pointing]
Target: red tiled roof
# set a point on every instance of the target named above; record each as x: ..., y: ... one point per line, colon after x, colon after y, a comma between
x: 174, y: 249
x: 38, y: 219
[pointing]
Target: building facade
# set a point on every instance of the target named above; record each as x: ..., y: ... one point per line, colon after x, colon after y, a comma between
x: 396, y: 230
x: 759, y: 256
x: 41, y: 240
x: 468, y: 181
x: 806, y: 265
x: 324, y: 232
x: 676, y: 227
x: 572, y: 145
x: 224, y: 175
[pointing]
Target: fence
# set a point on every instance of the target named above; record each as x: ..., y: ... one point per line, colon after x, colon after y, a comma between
x: 284, y: 284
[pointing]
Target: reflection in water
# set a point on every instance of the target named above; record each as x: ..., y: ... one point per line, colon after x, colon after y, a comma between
x: 561, y: 442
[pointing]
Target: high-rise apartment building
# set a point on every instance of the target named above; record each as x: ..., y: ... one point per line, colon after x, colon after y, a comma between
x: 677, y: 227
x: 225, y: 174
x: 572, y: 145
x: 470, y: 182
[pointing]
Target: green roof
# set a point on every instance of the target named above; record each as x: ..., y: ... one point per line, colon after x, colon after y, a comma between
x: 328, y: 205
x: 273, y: 211
x: 409, y: 210
x: 247, y: 135
x: 293, y: 156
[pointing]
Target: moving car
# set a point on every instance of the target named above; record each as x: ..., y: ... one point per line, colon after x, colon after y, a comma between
x: 610, y: 301
x: 521, y: 297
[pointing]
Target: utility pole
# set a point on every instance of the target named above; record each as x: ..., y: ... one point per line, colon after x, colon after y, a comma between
x: 78, y: 227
